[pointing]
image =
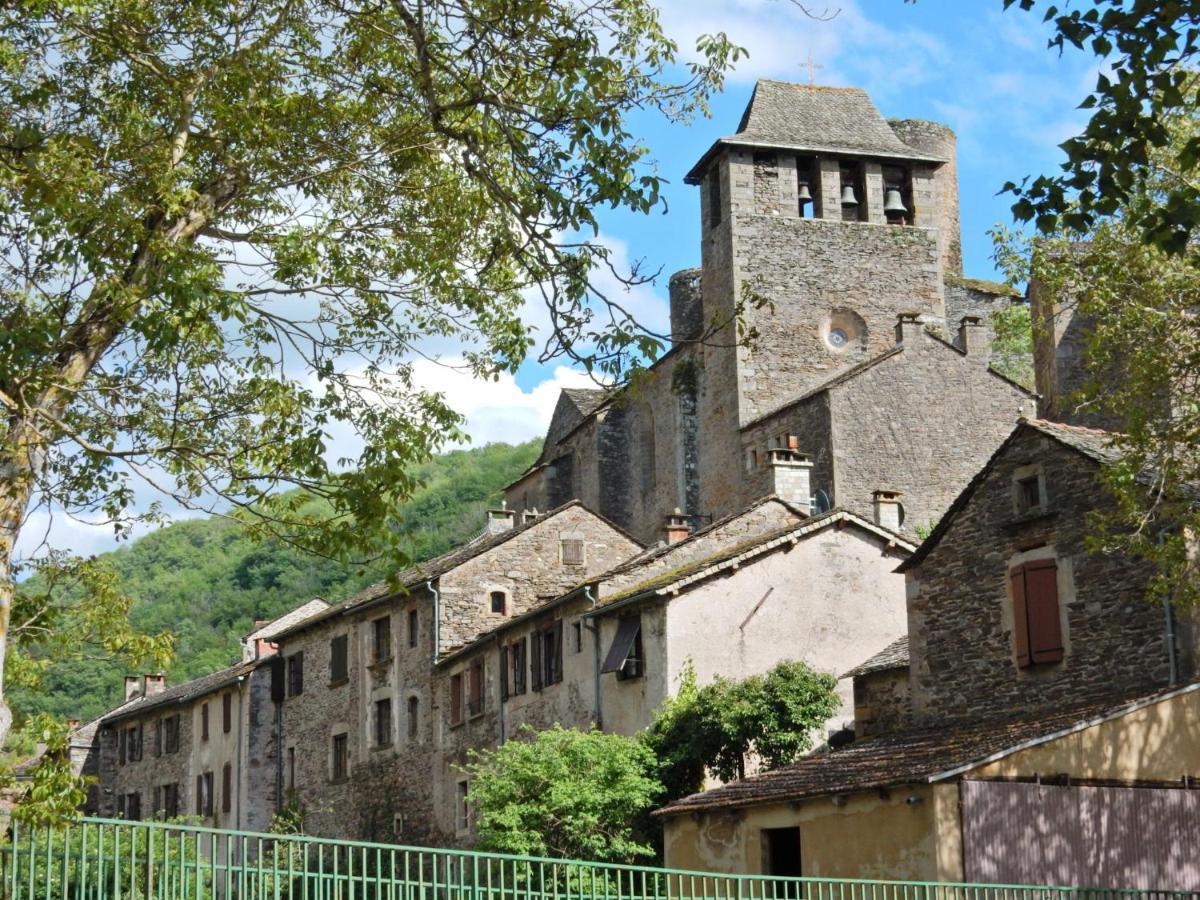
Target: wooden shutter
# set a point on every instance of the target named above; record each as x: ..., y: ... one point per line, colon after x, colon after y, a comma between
x: 504, y: 673
x: 204, y: 721
x: 339, y: 669
x: 1020, y: 616
x: 475, y: 688
x: 227, y: 713
x: 556, y: 642
x: 535, y: 661
x: 455, y: 699
x: 1041, y: 601
x: 227, y: 788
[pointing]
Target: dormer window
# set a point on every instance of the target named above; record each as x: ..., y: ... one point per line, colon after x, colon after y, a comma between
x: 499, y: 600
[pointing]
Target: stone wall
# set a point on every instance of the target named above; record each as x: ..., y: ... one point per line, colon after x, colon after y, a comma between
x: 881, y: 702
x: 960, y: 608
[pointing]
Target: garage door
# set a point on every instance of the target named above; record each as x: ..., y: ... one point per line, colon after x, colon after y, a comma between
x: 1083, y: 836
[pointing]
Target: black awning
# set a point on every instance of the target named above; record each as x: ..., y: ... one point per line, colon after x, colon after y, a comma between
x: 627, y: 632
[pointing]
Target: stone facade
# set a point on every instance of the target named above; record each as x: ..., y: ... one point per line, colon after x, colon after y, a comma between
x: 818, y: 288
x: 960, y: 599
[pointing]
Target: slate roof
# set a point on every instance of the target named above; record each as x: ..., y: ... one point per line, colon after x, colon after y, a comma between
x: 278, y: 626
x: 915, y: 757
x: 893, y: 656
x: 183, y: 693
x: 817, y: 119
x: 431, y: 569
x: 586, y: 400
x: 675, y: 579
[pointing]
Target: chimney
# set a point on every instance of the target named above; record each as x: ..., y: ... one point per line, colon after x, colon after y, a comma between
x: 791, y: 476
x: 973, y: 339
x: 264, y: 648
x: 676, y: 527
x: 133, y: 687
x: 529, y: 515
x: 909, y: 328
x: 889, y: 512
x: 72, y: 724
x: 155, y: 683
x: 499, y: 520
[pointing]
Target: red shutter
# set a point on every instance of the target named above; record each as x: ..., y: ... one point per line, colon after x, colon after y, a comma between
x: 1020, y: 615
x: 1041, y: 600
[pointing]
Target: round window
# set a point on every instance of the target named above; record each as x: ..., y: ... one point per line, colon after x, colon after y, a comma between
x: 843, y: 329
x: 838, y: 338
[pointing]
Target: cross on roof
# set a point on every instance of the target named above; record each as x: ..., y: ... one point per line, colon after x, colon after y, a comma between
x: 812, y: 65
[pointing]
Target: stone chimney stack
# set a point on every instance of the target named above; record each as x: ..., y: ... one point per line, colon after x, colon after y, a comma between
x: 889, y: 512
x: 791, y: 476
x: 529, y: 515
x: 155, y: 683
x: 499, y: 520
x: 133, y: 686
x: 910, y: 326
x: 973, y: 339
x: 676, y: 527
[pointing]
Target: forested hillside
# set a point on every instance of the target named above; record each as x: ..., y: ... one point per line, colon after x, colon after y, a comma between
x: 206, y: 582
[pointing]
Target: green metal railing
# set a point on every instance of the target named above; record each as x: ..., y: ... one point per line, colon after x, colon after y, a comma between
x: 106, y: 859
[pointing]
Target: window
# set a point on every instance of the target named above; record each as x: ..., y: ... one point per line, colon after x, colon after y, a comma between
x: 133, y: 807
x: 412, y: 628
x: 499, y: 602
x: 383, y: 722
x: 1028, y: 493
x: 546, y: 665
x: 781, y: 852
x: 381, y: 632
x: 456, y: 704
x: 714, y: 196
x: 475, y: 689
x: 339, y: 664
x: 462, y: 811
x: 505, y: 669
x: 341, y: 757
x: 204, y: 794
x: 169, y: 804
x: 572, y: 552
x: 414, y: 709
x: 1037, y: 629
x: 227, y: 713
x: 518, y: 659
x: 133, y: 743
x: 295, y: 674
x: 158, y: 741
x: 291, y: 768
x: 577, y: 633
x: 897, y: 195
x: 625, y: 656
x: 204, y: 721
x: 122, y: 747
x: 170, y: 728
x: 226, y: 787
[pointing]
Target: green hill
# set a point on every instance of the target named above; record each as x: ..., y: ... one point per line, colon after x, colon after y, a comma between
x: 206, y: 582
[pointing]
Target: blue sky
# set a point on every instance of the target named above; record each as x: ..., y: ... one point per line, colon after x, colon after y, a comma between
x: 985, y: 72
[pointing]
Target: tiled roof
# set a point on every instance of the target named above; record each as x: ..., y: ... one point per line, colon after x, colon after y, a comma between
x: 913, y: 757
x: 816, y: 119
x: 182, y: 693
x: 697, y: 570
x: 893, y: 656
x: 279, y: 625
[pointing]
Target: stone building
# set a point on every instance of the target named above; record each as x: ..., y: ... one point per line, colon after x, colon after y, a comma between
x: 833, y: 235
x: 207, y: 748
x: 1038, y: 692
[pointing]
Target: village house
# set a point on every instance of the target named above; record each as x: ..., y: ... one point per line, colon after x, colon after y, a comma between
x: 1039, y: 715
x: 206, y: 748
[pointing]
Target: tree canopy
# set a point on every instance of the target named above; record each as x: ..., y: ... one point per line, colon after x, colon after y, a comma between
x: 228, y: 229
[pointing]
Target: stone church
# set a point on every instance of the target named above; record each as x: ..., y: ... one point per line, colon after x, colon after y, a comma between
x: 833, y: 234
x: 747, y: 502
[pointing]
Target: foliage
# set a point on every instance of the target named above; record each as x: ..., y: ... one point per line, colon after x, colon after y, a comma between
x: 719, y: 726
x: 925, y: 530
x: 563, y: 793
x: 227, y: 230
x: 1012, y: 344
x: 1148, y: 49
x: 53, y: 793
x: 1137, y: 307
x: 205, y: 582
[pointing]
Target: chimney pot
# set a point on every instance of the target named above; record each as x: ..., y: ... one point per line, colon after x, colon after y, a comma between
x: 155, y: 683
x: 133, y: 686
x: 676, y: 527
x: 973, y: 339
x: 889, y: 511
x: 910, y: 326
x: 500, y: 520
x: 529, y: 515
x: 791, y: 476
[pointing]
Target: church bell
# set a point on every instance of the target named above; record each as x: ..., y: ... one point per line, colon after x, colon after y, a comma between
x: 848, y: 198
x: 805, y: 195
x: 892, y: 204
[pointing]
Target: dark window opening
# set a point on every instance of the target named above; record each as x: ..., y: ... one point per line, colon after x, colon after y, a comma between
x: 852, y: 194
x: 456, y: 698
x: 295, y: 674
x: 475, y: 684
x: 781, y: 852
x: 806, y: 186
x: 577, y: 632
x: 381, y: 630
x: 546, y: 665
x: 412, y: 628
x: 133, y: 807
x: 227, y: 713
x: 897, y: 195
x: 1037, y: 628
x: 204, y: 721
x: 291, y: 768
x: 499, y: 602
x: 625, y: 656
x: 226, y: 788
x: 169, y: 802
x: 341, y: 757
x: 339, y: 662
x: 517, y: 652
x: 204, y: 794
x: 170, y: 726
x: 1029, y: 493
x: 414, y: 708
x: 383, y: 722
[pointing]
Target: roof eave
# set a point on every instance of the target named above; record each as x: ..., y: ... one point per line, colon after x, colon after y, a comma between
x: 696, y: 174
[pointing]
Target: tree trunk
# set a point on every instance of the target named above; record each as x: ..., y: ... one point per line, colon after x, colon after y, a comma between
x: 13, y: 502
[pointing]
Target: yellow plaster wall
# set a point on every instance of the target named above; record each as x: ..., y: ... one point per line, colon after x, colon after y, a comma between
x: 868, y: 837
x: 1158, y: 743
